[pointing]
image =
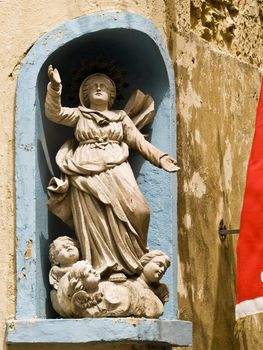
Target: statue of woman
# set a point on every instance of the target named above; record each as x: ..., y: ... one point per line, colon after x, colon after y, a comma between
x: 98, y: 195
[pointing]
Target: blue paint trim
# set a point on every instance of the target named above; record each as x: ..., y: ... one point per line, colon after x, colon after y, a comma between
x: 25, y: 170
x: 163, y: 230
x: 100, y: 330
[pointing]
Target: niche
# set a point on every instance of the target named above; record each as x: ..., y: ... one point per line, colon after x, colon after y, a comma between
x: 132, y: 45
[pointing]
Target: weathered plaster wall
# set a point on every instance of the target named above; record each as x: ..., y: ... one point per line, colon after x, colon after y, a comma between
x: 216, y: 99
x: 216, y: 110
x: 232, y: 25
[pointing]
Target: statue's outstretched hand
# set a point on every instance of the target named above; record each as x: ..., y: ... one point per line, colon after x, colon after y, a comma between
x: 169, y: 164
x: 54, y: 77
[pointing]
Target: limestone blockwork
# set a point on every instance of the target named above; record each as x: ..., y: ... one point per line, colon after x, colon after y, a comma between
x: 231, y: 25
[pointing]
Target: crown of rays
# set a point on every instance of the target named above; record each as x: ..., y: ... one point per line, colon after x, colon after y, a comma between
x: 100, y: 65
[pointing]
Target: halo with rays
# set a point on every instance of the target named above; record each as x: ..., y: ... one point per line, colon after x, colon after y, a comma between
x: 99, y: 65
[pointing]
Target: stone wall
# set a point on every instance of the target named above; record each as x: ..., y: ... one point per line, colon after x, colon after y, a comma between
x: 216, y: 109
x: 234, y: 26
x: 217, y: 54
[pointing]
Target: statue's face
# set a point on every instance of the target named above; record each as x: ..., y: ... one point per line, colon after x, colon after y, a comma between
x: 99, y: 91
x: 155, y: 269
x: 67, y: 253
x: 91, y: 280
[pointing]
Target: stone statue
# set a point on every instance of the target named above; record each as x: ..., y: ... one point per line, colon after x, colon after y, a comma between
x: 97, y: 194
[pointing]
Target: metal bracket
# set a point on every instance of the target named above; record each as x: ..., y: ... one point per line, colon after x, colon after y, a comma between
x: 223, y: 232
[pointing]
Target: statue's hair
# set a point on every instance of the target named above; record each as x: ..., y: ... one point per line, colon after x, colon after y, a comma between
x: 86, y: 84
x: 53, y: 249
x: 146, y: 258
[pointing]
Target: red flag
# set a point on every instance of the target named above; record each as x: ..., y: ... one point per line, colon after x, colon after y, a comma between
x: 250, y: 241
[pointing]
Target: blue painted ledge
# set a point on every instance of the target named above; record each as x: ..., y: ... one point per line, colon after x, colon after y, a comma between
x: 73, y: 331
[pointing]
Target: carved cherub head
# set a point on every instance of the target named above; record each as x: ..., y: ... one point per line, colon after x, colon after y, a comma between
x: 77, y: 290
x: 95, y: 88
x: 82, y: 277
x: 64, y: 251
x: 154, y: 263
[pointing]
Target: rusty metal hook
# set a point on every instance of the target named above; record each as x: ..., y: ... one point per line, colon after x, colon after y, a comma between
x: 223, y: 232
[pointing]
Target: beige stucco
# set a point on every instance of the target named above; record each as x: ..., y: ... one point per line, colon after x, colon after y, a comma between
x: 216, y: 119
x: 217, y: 90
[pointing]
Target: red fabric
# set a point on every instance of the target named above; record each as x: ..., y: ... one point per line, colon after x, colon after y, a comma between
x: 250, y: 241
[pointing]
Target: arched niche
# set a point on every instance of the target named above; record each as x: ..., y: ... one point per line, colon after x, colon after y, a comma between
x: 138, y: 48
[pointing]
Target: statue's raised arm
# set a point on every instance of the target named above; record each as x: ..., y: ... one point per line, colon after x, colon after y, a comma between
x: 53, y: 108
x: 54, y: 78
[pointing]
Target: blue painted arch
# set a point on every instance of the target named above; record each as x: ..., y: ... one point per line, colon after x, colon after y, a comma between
x: 138, y: 47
